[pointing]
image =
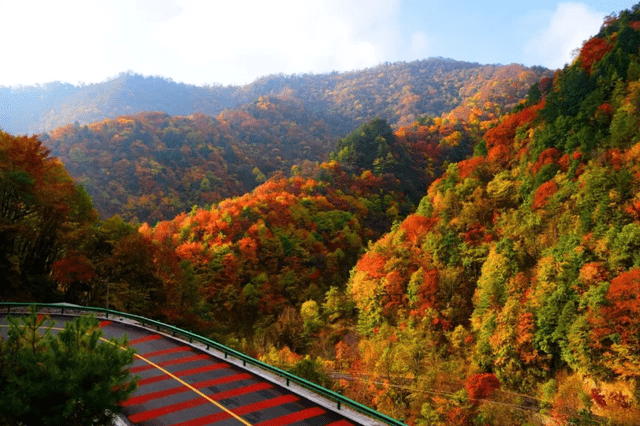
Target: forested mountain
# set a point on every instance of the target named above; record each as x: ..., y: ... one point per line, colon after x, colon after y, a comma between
x: 512, y: 295
x: 398, y: 93
x: 152, y: 166
x: 509, y: 296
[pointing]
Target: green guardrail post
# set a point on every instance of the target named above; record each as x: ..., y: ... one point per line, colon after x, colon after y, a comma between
x: 244, y: 362
x: 8, y: 309
x: 287, y: 381
x: 339, y: 402
x: 62, y: 310
x: 225, y: 354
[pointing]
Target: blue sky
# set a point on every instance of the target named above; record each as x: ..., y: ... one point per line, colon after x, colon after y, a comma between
x: 236, y: 41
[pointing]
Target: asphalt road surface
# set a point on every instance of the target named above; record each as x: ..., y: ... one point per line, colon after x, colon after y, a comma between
x: 181, y: 385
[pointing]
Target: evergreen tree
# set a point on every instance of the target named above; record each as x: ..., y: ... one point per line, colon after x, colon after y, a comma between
x: 68, y: 378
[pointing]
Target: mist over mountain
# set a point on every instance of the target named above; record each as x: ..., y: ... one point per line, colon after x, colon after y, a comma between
x: 350, y: 98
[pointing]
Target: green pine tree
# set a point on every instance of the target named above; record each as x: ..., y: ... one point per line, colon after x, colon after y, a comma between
x: 73, y: 377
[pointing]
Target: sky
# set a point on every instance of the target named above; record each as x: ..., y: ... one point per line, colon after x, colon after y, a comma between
x: 207, y: 42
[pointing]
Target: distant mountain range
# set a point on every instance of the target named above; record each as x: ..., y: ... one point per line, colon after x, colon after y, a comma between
x: 470, y: 257
x: 398, y: 92
x: 151, y: 166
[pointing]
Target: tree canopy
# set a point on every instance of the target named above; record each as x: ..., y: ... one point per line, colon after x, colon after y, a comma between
x: 71, y: 377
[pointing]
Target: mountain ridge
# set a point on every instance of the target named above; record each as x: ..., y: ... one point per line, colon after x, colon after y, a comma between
x: 35, y: 109
x: 152, y: 166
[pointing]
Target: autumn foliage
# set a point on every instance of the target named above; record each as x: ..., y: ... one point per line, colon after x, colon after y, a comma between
x: 480, y: 386
x: 504, y: 133
x: 42, y: 215
x: 621, y: 316
x: 593, y: 51
x: 502, y: 290
x: 416, y: 226
x: 543, y: 193
x: 524, y: 262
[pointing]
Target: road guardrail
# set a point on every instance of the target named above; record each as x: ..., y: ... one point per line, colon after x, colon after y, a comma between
x: 192, y: 337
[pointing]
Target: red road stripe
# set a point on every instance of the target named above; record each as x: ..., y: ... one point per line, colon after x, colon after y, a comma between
x: 141, y: 399
x: 212, y: 418
x: 154, y: 395
x: 154, y: 379
x: 204, y: 369
x: 141, y: 368
x: 189, y: 372
x: 293, y: 417
x: 206, y: 420
x: 263, y: 405
x: 170, y: 362
x: 105, y: 323
x: 340, y: 423
x: 158, y: 412
x: 145, y: 339
x: 167, y: 351
x: 240, y: 391
x: 221, y: 380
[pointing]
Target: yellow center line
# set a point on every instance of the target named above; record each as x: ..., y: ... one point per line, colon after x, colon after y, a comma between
x: 182, y: 382
x: 217, y: 404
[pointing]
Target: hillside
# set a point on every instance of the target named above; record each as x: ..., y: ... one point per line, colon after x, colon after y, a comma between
x: 152, y: 166
x: 398, y: 93
x: 511, y: 296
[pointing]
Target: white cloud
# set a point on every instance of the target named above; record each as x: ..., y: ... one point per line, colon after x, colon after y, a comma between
x: 419, y: 45
x: 570, y: 25
x: 194, y: 41
x: 237, y: 41
x: 47, y: 35
x: 243, y: 40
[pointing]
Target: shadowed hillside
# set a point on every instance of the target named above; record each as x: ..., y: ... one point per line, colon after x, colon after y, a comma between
x: 152, y: 166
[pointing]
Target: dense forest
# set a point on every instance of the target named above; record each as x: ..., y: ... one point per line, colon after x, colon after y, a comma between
x: 397, y: 92
x: 469, y: 268
x: 511, y: 295
x: 152, y: 166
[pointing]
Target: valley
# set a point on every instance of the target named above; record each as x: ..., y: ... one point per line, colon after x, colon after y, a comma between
x: 446, y: 242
